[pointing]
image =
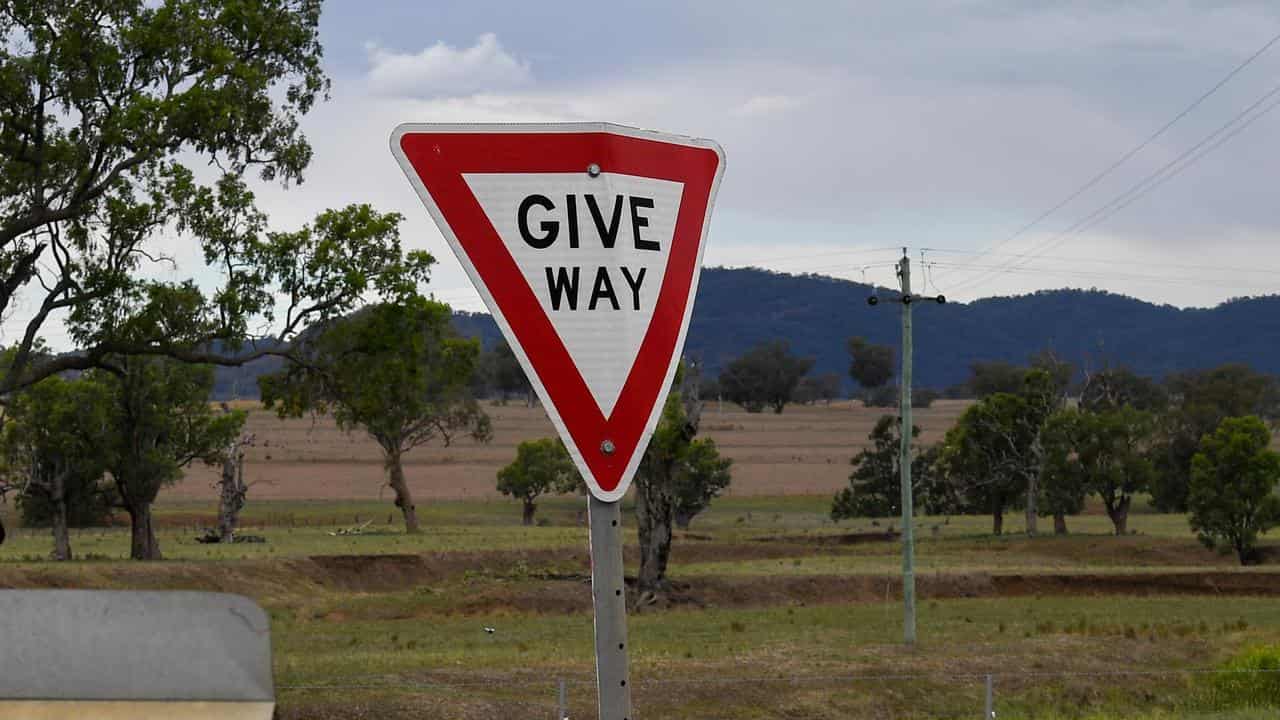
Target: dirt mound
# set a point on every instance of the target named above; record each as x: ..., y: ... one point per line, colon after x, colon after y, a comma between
x: 553, y: 581
x: 398, y: 572
x: 1173, y: 583
x: 857, y: 538
x: 1130, y: 550
x: 369, y: 572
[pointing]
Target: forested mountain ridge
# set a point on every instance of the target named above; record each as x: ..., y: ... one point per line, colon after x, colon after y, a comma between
x: 739, y: 308
x: 1091, y: 329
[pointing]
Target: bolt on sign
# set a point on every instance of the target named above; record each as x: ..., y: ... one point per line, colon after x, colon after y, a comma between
x: 585, y: 241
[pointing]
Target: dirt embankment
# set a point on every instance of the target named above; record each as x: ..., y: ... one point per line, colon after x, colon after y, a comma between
x: 548, y: 582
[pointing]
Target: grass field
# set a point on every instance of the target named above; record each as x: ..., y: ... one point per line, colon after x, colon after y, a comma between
x: 778, y: 612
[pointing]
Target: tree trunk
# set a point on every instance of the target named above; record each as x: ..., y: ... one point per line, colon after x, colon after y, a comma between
x: 404, y: 501
x: 231, y: 494
x: 1033, y: 494
x: 1121, y: 520
x: 1247, y: 554
x: 1059, y: 523
x: 997, y: 522
x: 529, y: 509
x: 653, y: 520
x: 61, y: 535
x: 143, y: 544
x: 1119, y: 514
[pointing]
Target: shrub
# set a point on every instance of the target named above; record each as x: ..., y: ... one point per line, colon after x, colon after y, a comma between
x: 1249, y: 680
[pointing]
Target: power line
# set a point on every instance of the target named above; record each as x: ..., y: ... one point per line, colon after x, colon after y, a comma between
x: 1089, y: 184
x: 1098, y: 275
x: 851, y: 251
x: 1193, y: 160
x: 1180, y: 266
x: 1174, y: 167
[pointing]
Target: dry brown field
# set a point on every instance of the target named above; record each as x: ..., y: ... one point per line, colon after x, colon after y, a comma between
x: 805, y: 450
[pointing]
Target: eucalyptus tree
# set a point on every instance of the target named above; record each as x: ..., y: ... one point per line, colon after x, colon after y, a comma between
x: 678, y: 473
x: 998, y: 449
x: 160, y: 421
x: 540, y: 467
x: 110, y: 111
x: 1110, y: 453
x: 875, y: 485
x: 55, y: 446
x: 398, y: 371
x: 1233, y: 487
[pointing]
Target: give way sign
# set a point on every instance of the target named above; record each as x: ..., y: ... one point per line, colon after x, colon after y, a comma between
x: 585, y: 241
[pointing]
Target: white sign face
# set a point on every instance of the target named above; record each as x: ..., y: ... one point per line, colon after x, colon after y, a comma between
x: 594, y: 251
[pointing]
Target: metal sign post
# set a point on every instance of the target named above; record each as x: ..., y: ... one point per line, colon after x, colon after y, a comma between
x: 609, y: 596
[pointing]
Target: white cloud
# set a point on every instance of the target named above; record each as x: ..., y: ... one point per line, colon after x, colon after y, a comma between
x: 766, y: 104
x: 446, y: 71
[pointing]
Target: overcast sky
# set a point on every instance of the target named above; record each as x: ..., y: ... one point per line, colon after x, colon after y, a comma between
x: 854, y: 125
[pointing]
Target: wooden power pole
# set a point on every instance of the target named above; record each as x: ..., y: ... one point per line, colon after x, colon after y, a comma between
x: 907, y: 300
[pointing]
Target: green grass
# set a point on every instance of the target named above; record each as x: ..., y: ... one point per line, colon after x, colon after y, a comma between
x: 844, y: 657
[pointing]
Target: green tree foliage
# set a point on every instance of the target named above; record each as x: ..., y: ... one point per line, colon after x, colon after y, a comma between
x: 508, y: 374
x: 1063, y: 487
x: 1233, y: 480
x: 989, y: 378
x: 160, y: 422
x: 541, y: 466
x: 812, y: 388
x: 875, y: 485
x: 975, y: 459
x: 1200, y: 401
x: 870, y: 365
x: 1115, y: 388
x: 996, y: 450
x: 55, y: 444
x: 700, y: 478
x: 1060, y: 371
x: 1110, y: 455
x: 396, y: 370
x: 105, y: 110
x: 766, y: 376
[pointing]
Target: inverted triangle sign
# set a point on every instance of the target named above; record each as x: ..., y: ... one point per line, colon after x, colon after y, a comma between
x: 585, y: 241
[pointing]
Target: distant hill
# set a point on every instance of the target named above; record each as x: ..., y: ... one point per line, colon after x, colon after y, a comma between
x: 738, y: 308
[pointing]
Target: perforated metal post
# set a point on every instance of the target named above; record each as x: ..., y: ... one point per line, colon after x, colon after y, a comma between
x: 990, y: 706
x: 609, y: 596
